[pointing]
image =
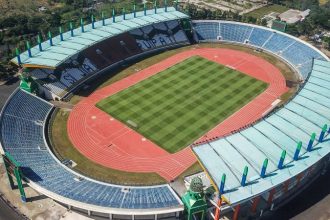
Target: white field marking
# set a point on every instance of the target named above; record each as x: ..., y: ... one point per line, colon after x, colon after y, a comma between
x: 231, y: 67
x: 239, y: 63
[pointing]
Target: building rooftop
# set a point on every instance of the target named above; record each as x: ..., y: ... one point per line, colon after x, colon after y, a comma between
x: 293, y: 16
x: 53, y: 56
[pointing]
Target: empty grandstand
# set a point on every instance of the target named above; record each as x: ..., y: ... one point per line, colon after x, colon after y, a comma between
x: 296, y: 52
x: 22, y: 135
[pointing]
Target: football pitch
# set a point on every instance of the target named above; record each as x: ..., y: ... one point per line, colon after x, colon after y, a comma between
x: 175, y: 107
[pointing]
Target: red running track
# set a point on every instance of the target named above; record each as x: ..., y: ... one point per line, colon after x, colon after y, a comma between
x: 111, y: 143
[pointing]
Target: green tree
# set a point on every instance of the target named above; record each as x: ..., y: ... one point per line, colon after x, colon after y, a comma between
x: 326, y: 42
x: 264, y: 22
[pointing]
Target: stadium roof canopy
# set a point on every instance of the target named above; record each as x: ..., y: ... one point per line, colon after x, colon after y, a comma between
x: 53, y: 56
x: 282, y: 130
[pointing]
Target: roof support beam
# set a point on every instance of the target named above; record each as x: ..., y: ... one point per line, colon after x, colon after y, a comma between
x: 39, y: 43
x: 323, y: 132
x: 71, y: 29
x: 264, y: 168
x: 244, y: 176
x: 29, y: 48
x: 311, y: 141
x: 61, y: 34
x: 82, y: 25
x: 103, y: 19
x: 50, y: 38
x: 93, y: 22
x: 281, y: 161
x: 113, y: 16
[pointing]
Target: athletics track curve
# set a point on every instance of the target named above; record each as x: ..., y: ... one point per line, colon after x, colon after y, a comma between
x: 111, y: 143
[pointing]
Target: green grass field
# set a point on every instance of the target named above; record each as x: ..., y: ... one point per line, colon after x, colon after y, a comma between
x: 259, y: 13
x: 176, y: 106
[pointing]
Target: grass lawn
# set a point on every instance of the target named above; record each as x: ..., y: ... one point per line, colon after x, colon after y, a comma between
x: 259, y: 13
x: 176, y: 106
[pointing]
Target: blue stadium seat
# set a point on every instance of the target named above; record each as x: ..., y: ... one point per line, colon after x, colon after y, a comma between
x: 259, y: 36
x: 299, y: 55
x: 278, y: 43
x: 22, y: 127
x: 209, y: 31
x: 235, y: 32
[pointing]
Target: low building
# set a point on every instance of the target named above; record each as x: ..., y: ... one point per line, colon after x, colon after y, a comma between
x: 293, y: 16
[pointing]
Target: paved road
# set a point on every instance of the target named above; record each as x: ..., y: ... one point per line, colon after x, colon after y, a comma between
x: 7, y: 213
x: 7, y: 89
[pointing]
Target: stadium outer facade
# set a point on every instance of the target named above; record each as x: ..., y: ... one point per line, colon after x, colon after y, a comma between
x: 248, y: 174
x: 21, y: 129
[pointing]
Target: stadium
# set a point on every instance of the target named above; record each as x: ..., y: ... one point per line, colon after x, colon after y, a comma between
x: 109, y: 117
